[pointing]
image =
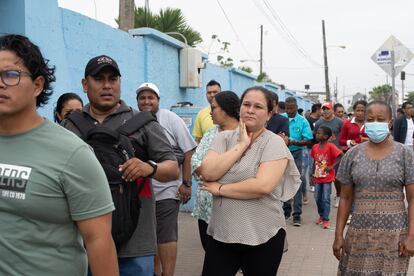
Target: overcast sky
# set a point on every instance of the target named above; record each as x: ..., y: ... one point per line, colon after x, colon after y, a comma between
x: 362, y: 26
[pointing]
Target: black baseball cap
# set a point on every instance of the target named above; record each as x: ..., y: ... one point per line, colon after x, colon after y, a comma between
x: 97, y: 63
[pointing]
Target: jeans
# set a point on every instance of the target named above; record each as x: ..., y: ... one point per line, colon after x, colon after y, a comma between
x: 307, y: 168
x: 142, y: 266
x: 323, y: 199
x: 297, y: 199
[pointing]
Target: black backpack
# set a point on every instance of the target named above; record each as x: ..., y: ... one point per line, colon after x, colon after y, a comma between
x: 112, y: 148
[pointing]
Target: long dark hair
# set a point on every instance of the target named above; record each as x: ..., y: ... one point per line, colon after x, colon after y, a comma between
x: 64, y: 98
x: 229, y: 102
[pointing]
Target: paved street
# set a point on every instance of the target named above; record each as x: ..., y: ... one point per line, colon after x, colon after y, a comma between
x: 309, y: 254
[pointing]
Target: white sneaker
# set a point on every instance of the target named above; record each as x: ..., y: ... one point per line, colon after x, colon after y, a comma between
x: 337, y: 198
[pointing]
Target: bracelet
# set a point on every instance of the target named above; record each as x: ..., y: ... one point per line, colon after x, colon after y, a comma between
x: 219, y: 189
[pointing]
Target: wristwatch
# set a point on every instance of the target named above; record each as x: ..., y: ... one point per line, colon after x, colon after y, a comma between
x: 187, y: 183
x: 154, y: 165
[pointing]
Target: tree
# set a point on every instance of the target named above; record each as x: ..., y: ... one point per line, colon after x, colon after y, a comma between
x: 263, y: 77
x: 246, y: 69
x: 410, y: 97
x: 381, y: 92
x: 167, y: 20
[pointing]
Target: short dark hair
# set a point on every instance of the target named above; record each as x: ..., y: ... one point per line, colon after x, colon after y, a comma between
x: 400, y: 110
x: 326, y: 131
x: 213, y: 82
x: 229, y: 102
x: 281, y: 105
x: 406, y: 103
x: 300, y: 111
x: 377, y: 102
x: 291, y: 100
x: 360, y: 102
x: 337, y: 105
x: 65, y: 97
x: 266, y: 93
x: 32, y: 58
x: 316, y: 107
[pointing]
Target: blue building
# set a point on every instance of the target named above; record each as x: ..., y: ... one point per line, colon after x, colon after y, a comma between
x: 69, y: 39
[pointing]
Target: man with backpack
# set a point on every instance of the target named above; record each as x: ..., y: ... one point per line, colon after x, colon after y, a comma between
x: 168, y: 195
x: 152, y: 156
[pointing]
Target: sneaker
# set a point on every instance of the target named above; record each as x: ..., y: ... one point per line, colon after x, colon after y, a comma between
x: 312, y: 188
x: 325, y: 224
x: 297, y: 222
x: 319, y: 221
x: 337, y: 198
x: 305, y: 199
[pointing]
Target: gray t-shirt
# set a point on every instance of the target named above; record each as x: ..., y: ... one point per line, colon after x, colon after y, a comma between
x: 178, y: 135
x: 335, y: 125
x: 49, y: 179
x: 152, y: 138
x: 253, y: 221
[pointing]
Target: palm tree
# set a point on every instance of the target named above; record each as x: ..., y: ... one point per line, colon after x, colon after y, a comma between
x: 381, y: 92
x: 167, y: 20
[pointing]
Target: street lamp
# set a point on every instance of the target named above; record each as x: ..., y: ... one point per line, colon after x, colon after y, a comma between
x: 179, y: 34
x: 337, y: 46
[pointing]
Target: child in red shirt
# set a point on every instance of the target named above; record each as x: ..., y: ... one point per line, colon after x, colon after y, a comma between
x: 324, y: 155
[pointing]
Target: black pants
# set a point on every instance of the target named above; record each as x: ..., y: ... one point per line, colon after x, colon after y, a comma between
x: 204, y: 237
x: 224, y: 259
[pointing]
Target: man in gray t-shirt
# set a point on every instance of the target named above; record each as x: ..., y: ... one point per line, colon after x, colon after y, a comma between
x: 330, y: 120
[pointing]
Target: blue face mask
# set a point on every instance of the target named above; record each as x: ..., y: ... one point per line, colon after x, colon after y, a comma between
x: 377, y: 131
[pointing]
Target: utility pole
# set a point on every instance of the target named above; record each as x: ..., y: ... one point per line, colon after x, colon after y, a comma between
x: 126, y: 14
x: 402, y: 86
x: 146, y: 12
x: 393, y: 105
x: 261, y: 49
x: 325, y: 59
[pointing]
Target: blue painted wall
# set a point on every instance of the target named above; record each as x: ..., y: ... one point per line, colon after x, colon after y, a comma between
x: 69, y: 40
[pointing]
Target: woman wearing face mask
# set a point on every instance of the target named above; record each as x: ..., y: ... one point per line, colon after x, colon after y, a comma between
x: 380, y: 238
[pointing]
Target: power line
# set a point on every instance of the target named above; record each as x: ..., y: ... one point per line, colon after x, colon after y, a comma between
x: 280, y: 27
x: 276, y: 27
x: 290, y: 35
x: 234, y: 30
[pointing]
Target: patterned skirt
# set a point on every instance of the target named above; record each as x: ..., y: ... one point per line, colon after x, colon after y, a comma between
x: 372, y: 240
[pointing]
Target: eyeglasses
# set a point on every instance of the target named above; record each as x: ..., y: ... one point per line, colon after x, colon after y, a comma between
x: 12, y: 77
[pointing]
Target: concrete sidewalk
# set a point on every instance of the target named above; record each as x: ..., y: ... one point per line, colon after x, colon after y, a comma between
x: 309, y: 254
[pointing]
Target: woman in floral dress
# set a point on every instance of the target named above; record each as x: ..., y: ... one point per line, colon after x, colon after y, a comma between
x: 380, y: 238
x: 225, y: 109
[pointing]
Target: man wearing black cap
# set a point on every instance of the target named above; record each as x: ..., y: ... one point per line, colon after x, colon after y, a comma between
x: 102, y: 84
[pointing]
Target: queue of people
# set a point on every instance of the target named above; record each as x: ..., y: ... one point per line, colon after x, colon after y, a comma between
x: 250, y: 159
